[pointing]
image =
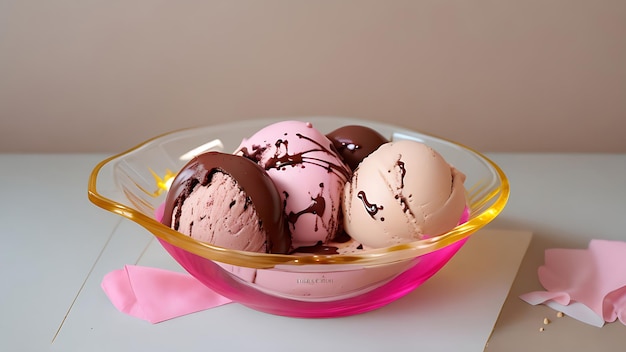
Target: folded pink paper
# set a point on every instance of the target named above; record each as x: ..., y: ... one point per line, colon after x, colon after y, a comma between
x: 157, y: 295
x: 594, y: 277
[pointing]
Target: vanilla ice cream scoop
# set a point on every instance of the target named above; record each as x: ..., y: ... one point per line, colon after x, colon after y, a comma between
x: 402, y: 192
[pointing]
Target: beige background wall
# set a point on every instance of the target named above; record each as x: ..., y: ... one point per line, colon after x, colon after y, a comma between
x: 545, y: 75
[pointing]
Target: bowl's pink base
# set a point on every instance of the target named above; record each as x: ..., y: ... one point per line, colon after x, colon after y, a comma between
x: 224, y: 283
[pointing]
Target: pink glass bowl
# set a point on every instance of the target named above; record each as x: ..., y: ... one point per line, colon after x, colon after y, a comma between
x: 133, y: 184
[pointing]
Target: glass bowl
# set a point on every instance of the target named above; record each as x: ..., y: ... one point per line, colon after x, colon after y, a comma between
x: 133, y: 184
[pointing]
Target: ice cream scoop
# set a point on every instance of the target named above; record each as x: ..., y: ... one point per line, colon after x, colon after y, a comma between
x: 402, y: 192
x: 228, y: 201
x: 308, y: 173
x: 355, y: 142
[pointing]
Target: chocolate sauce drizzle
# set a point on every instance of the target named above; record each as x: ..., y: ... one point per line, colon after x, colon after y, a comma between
x: 371, y: 208
x: 400, y: 164
x: 317, y: 207
x: 404, y: 202
x: 282, y: 158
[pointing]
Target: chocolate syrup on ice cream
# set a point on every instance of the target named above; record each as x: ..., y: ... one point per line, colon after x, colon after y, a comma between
x: 250, y: 177
x: 282, y: 158
x: 276, y: 155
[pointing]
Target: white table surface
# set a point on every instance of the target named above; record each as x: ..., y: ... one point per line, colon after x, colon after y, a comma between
x: 60, y: 246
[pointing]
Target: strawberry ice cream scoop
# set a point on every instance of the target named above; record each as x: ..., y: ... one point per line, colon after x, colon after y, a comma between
x: 228, y: 201
x: 402, y: 192
x: 308, y: 173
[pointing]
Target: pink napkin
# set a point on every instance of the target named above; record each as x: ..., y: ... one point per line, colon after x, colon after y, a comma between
x: 156, y: 295
x: 587, y: 284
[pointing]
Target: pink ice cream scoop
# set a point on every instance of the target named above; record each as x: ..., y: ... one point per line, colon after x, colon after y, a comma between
x: 228, y: 201
x: 402, y: 192
x: 308, y: 173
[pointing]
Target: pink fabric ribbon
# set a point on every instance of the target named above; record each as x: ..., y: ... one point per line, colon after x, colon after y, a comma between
x: 157, y: 295
x: 585, y: 282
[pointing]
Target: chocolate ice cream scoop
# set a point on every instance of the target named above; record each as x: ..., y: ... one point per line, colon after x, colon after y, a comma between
x: 354, y: 143
x: 228, y: 201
